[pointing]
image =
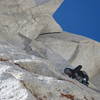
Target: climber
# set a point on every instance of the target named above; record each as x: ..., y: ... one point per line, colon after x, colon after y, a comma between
x: 78, y: 74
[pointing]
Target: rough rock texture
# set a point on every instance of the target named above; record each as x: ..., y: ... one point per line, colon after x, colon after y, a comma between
x: 27, y: 17
x: 75, y: 50
x: 34, y: 52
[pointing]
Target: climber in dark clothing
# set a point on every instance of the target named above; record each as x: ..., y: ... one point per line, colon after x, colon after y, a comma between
x: 77, y: 74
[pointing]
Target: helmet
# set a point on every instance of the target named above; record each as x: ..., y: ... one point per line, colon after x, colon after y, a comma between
x: 68, y: 71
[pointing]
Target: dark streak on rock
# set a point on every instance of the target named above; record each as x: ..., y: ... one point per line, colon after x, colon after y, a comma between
x: 17, y: 64
x: 45, y: 97
x: 85, y: 98
x: 26, y: 86
x: 3, y: 59
x: 37, y: 97
x: 68, y: 96
x: 20, y: 66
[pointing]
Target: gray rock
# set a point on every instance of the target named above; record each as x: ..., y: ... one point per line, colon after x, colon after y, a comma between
x: 74, y: 49
x: 27, y: 17
x: 14, y: 80
x: 34, y: 53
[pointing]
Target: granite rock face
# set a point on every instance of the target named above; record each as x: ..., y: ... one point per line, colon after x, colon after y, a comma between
x: 76, y: 50
x: 27, y: 17
x: 34, y: 52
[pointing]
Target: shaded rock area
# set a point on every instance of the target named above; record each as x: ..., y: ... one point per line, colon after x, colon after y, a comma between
x: 34, y: 53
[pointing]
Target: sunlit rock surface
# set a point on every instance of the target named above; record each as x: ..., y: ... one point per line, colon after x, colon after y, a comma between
x: 75, y: 50
x: 34, y: 53
x: 27, y: 17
